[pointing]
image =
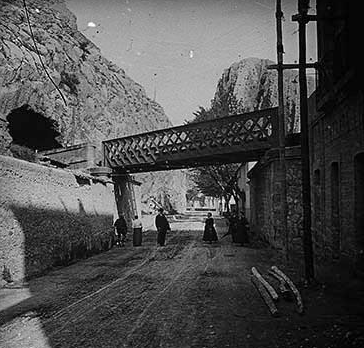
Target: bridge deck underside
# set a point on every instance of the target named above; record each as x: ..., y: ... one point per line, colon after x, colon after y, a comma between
x: 238, y: 138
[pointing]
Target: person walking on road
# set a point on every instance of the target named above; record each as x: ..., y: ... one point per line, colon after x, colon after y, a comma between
x: 209, y: 234
x: 233, y: 227
x: 242, y: 229
x: 137, y: 231
x: 162, y: 226
x: 121, y: 230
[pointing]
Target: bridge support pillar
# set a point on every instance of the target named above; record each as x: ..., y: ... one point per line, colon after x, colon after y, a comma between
x: 127, y: 197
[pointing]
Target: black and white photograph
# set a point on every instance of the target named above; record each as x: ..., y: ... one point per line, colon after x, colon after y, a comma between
x: 181, y: 174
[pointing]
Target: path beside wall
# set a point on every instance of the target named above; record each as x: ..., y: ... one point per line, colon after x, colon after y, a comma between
x: 49, y: 217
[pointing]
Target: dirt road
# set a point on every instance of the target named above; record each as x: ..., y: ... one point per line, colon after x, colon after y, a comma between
x: 186, y: 294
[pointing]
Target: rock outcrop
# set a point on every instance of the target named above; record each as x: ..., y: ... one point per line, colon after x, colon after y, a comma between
x: 101, y: 101
x: 248, y: 85
x: 168, y: 188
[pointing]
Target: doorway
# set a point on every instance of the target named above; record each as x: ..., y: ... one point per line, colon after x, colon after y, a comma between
x: 335, y: 210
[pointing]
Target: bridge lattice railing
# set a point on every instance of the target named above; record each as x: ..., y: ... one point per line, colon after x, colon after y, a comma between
x: 182, y: 145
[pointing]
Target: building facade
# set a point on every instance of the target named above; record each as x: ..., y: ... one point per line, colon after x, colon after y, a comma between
x: 337, y: 136
x: 336, y: 127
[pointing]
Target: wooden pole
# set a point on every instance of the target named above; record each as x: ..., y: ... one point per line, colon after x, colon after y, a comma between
x: 272, y: 292
x: 303, y: 6
x: 265, y: 296
x: 291, y: 285
x: 281, y: 126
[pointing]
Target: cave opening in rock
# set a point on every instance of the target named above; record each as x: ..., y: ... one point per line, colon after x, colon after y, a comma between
x: 30, y: 129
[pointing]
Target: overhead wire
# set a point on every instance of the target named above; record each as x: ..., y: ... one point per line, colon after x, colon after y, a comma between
x: 38, y: 53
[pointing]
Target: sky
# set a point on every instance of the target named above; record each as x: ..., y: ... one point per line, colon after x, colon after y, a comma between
x: 177, y: 49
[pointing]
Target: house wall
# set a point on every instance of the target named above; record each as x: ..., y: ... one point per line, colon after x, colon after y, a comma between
x: 243, y: 183
x: 337, y: 140
x: 337, y: 137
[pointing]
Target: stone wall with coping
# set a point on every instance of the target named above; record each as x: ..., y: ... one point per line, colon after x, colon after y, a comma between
x: 75, y: 157
x: 49, y: 217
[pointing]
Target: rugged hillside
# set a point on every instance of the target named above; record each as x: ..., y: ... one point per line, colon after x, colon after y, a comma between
x: 101, y: 101
x: 167, y: 188
x: 248, y: 85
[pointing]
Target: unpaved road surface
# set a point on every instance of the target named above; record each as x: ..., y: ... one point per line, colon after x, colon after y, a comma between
x: 186, y: 294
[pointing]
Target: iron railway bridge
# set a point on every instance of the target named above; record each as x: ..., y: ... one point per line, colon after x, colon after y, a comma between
x: 238, y: 138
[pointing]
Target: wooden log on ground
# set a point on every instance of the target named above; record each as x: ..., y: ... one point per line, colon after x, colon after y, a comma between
x: 284, y: 291
x: 292, y: 287
x: 265, y: 296
x: 269, y: 287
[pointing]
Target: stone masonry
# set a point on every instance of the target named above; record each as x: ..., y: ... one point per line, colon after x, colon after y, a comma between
x: 265, y: 200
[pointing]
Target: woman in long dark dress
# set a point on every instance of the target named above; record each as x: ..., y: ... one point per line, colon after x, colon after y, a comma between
x: 209, y: 234
x: 233, y: 227
x: 242, y: 230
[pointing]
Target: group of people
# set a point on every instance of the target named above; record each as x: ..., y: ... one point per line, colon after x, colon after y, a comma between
x: 121, y: 228
x: 238, y: 229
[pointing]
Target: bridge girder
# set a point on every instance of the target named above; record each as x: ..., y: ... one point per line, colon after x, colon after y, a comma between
x: 238, y: 138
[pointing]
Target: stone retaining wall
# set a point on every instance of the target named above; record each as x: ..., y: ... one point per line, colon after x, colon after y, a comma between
x: 266, y: 217
x: 49, y: 217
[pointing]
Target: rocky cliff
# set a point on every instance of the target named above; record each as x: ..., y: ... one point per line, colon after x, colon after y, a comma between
x: 101, y: 101
x: 64, y: 77
x: 166, y: 188
x: 248, y: 85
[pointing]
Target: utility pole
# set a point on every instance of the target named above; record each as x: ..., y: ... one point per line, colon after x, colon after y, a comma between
x: 303, y: 6
x: 282, y: 126
x: 302, y: 18
x: 155, y: 87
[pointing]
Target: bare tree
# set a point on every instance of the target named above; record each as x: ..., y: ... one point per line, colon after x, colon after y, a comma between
x: 217, y: 180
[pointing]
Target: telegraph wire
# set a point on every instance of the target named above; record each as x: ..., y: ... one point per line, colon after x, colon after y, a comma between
x: 39, y: 56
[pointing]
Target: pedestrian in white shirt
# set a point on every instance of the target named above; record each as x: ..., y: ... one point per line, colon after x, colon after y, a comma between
x: 137, y: 231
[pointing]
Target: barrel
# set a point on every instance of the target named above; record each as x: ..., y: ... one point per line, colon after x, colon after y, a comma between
x: 137, y: 236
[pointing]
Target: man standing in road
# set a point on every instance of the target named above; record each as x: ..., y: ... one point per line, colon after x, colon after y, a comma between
x: 162, y: 225
x: 121, y: 230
